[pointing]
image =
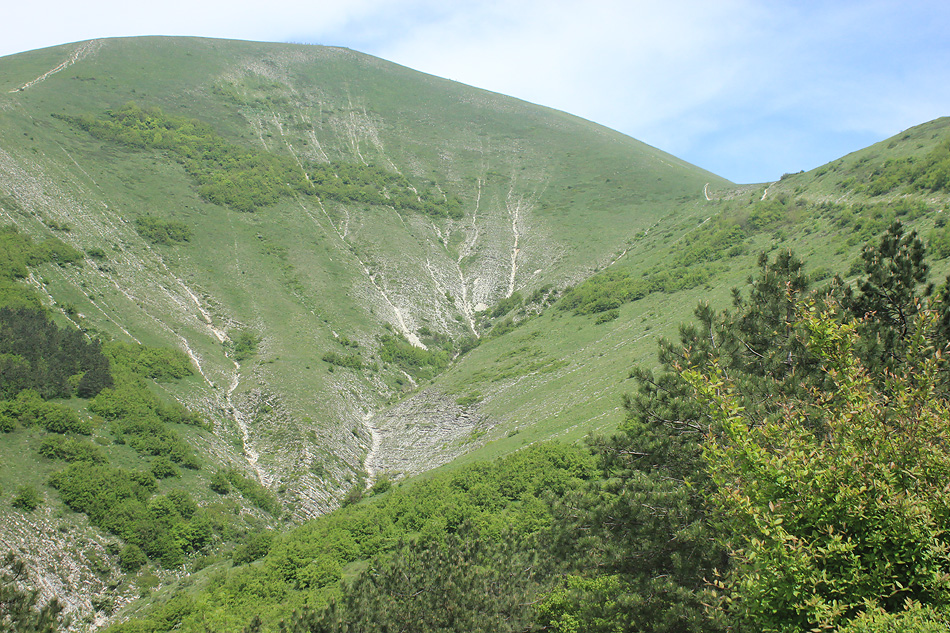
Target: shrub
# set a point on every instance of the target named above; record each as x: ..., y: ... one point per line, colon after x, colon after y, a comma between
x: 27, y: 499
x: 219, y: 483
x: 162, y: 468
x: 353, y: 361
x: 165, y: 232
x: 254, y: 548
x: 131, y: 558
x: 70, y: 449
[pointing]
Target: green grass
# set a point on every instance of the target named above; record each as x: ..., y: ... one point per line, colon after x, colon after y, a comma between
x: 305, y: 272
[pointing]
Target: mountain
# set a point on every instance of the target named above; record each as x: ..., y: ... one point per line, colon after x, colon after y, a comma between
x: 376, y: 272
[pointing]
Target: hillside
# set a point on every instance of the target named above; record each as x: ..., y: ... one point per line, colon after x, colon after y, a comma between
x: 375, y: 272
x: 300, y: 308
x: 305, y: 273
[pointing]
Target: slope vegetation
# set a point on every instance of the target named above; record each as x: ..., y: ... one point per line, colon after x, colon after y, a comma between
x: 373, y: 273
x: 321, y: 233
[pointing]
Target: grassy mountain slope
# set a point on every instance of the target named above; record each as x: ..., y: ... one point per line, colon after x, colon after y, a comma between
x: 545, y: 199
x: 327, y: 328
x: 558, y: 364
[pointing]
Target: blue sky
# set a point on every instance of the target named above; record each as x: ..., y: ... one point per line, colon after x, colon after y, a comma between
x: 748, y: 89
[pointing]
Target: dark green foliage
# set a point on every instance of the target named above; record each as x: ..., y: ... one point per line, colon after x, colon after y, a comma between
x: 166, y: 528
x: 97, y: 490
x: 368, y: 184
x: 18, y: 251
x: 825, y: 525
x: 226, y: 174
x: 507, y: 304
x: 381, y: 484
x: 697, y: 256
x: 606, y: 317
x: 162, y: 468
x: 252, y: 490
x: 889, y: 296
x: 646, y: 549
x: 245, y: 345
x: 611, y: 289
x: 167, y: 232
x: 253, y: 548
x: 601, y: 604
x: 603, y: 292
x: 914, y: 619
x: 183, y: 503
x: 70, y: 449
x: 465, y: 582
x: 167, y: 616
x: 219, y: 483
x: 469, y: 400
x: 36, y: 354
x: 20, y: 607
x: 471, y: 536
x: 96, y: 253
x: 137, y: 416
x: 27, y: 498
x: 504, y: 327
x: 867, y: 221
x: 421, y: 364
x: 647, y: 539
x: 938, y: 241
x: 28, y: 409
x: 352, y: 361
x: 132, y: 558
x: 354, y: 494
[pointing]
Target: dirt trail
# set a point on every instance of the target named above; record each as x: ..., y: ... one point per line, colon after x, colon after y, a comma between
x: 250, y: 454
x: 81, y: 51
x: 514, y: 211
x: 372, y: 454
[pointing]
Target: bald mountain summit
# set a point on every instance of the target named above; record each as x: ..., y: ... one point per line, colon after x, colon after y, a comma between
x: 245, y: 284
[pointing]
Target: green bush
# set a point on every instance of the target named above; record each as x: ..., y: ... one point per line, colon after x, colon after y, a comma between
x: 248, y: 179
x: 219, y: 483
x: 27, y: 498
x: 421, y: 364
x: 70, y: 449
x: 245, y: 345
x: 28, y: 409
x: 162, y: 468
x: 606, y: 317
x: 254, y: 548
x: 132, y: 558
x: 253, y: 491
x: 825, y: 524
x: 157, y: 363
x: 914, y: 619
x: 167, y: 232
x: 352, y: 361
x: 137, y: 417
